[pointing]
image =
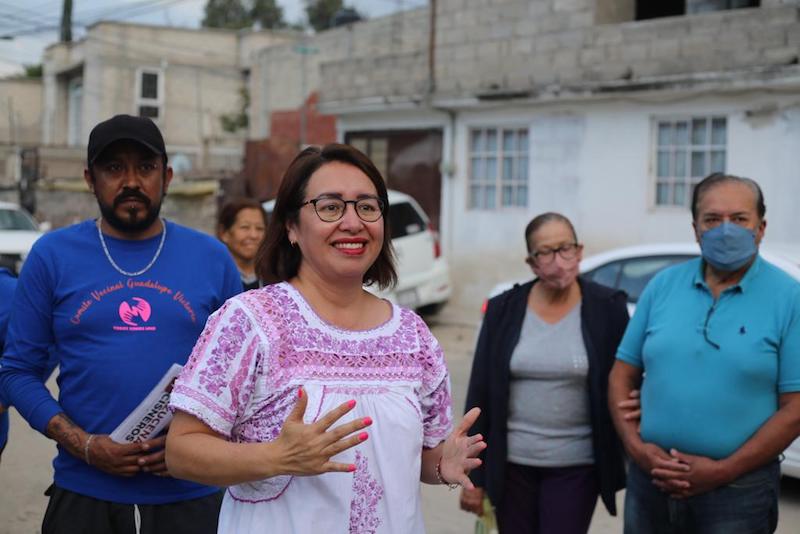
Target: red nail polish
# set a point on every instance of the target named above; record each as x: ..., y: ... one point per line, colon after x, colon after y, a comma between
x: 363, y: 436
x: 351, y: 403
x: 300, y: 393
x: 351, y: 467
x: 368, y: 420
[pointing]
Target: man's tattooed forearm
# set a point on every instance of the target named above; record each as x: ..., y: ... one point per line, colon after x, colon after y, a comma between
x: 66, y: 433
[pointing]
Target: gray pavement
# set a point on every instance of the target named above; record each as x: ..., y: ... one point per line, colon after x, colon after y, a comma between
x: 25, y: 471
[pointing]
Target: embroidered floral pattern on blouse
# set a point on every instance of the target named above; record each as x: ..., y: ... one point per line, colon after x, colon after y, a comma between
x: 395, y: 352
x: 195, y: 403
x: 355, y: 390
x: 246, y: 367
x: 265, y: 425
x: 214, y: 375
x: 367, y: 493
x: 438, y: 418
x: 202, y: 342
x: 265, y: 490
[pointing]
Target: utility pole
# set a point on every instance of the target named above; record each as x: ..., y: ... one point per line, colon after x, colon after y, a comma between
x: 66, y: 22
x: 303, y: 49
x: 432, y: 48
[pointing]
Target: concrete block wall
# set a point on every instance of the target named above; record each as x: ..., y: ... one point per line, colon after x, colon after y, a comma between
x: 558, y: 42
x: 494, y: 46
x: 393, y: 42
x: 384, y: 76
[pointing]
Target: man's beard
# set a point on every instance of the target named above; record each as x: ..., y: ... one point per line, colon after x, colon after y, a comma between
x: 131, y: 224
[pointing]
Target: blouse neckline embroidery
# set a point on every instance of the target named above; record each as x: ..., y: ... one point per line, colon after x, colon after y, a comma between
x: 391, y: 324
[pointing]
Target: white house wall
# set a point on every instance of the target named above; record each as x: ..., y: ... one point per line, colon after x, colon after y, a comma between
x: 592, y: 162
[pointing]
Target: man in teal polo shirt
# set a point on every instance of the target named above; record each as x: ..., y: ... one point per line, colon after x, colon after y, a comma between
x: 719, y: 341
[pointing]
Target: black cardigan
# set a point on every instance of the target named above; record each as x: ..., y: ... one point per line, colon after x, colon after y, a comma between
x: 604, y: 316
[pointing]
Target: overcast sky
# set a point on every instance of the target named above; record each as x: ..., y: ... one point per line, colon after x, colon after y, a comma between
x: 33, y: 24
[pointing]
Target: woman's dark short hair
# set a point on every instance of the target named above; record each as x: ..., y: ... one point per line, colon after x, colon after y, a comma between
x: 541, y: 220
x: 277, y: 259
x: 714, y: 179
x: 228, y: 213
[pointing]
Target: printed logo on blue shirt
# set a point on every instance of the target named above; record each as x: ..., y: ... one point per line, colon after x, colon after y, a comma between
x: 135, y: 312
x: 134, y: 315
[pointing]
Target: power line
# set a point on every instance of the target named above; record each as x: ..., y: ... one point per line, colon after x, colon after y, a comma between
x: 90, y: 13
x: 38, y: 8
x: 131, y: 9
x: 141, y: 8
x: 9, y: 17
x: 26, y: 12
x: 157, y: 50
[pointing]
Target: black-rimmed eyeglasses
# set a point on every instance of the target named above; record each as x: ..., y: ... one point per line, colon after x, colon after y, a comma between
x: 331, y: 209
x: 567, y: 252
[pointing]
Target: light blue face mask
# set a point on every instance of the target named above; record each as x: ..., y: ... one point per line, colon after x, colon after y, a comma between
x: 728, y: 247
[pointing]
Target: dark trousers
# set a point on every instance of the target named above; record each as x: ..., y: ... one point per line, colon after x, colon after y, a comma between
x: 72, y: 513
x: 548, y: 500
x: 748, y: 505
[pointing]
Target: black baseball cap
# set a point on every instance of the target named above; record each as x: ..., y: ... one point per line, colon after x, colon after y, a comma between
x: 119, y: 127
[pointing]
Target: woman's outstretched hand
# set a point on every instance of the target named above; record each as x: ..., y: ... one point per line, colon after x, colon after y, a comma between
x: 306, y: 449
x: 460, y: 452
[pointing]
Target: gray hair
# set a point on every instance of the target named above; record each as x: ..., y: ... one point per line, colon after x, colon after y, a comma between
x: 714, y: 179
x: 541, y: 220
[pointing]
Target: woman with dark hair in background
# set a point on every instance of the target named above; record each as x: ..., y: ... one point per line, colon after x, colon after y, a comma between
x: 540, y: 377
x: 277, y: 369
x: 241, y: 225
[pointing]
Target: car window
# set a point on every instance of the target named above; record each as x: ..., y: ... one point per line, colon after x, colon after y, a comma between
x: 606, y: 275
x: 405, y: 220
x: 11, y: 219
x: 636, y: 272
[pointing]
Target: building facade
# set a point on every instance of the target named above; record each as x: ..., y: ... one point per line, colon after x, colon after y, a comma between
x: 192, y: 83
x: 605, y: 110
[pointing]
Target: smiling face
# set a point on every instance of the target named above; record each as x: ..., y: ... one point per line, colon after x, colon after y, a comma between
x: 345, y: 249
x: 245, y: 234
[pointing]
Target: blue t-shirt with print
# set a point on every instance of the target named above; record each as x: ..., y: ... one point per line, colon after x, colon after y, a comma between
x: 114, y: 337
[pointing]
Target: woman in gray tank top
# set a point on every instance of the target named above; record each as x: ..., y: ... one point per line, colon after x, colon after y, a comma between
x: 540, y: 377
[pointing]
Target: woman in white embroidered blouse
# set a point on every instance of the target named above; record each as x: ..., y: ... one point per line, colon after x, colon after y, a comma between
x: 276, y: 396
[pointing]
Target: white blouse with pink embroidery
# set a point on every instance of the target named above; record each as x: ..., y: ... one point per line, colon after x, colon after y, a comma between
x: 242, y: 381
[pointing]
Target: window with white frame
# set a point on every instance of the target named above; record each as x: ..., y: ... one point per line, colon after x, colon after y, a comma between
x: 687, y: 150
x: 498, y: 170
x: 150, y: 93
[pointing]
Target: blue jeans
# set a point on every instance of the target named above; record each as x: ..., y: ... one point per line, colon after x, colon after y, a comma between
x: 749, y: 505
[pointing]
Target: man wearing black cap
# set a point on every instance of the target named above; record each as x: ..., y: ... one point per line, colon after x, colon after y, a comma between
x: 120, y: 298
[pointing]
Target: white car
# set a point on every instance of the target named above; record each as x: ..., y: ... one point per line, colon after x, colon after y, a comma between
x: 18, y: 232
x: 630, y: 268
x: 423, y: 276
